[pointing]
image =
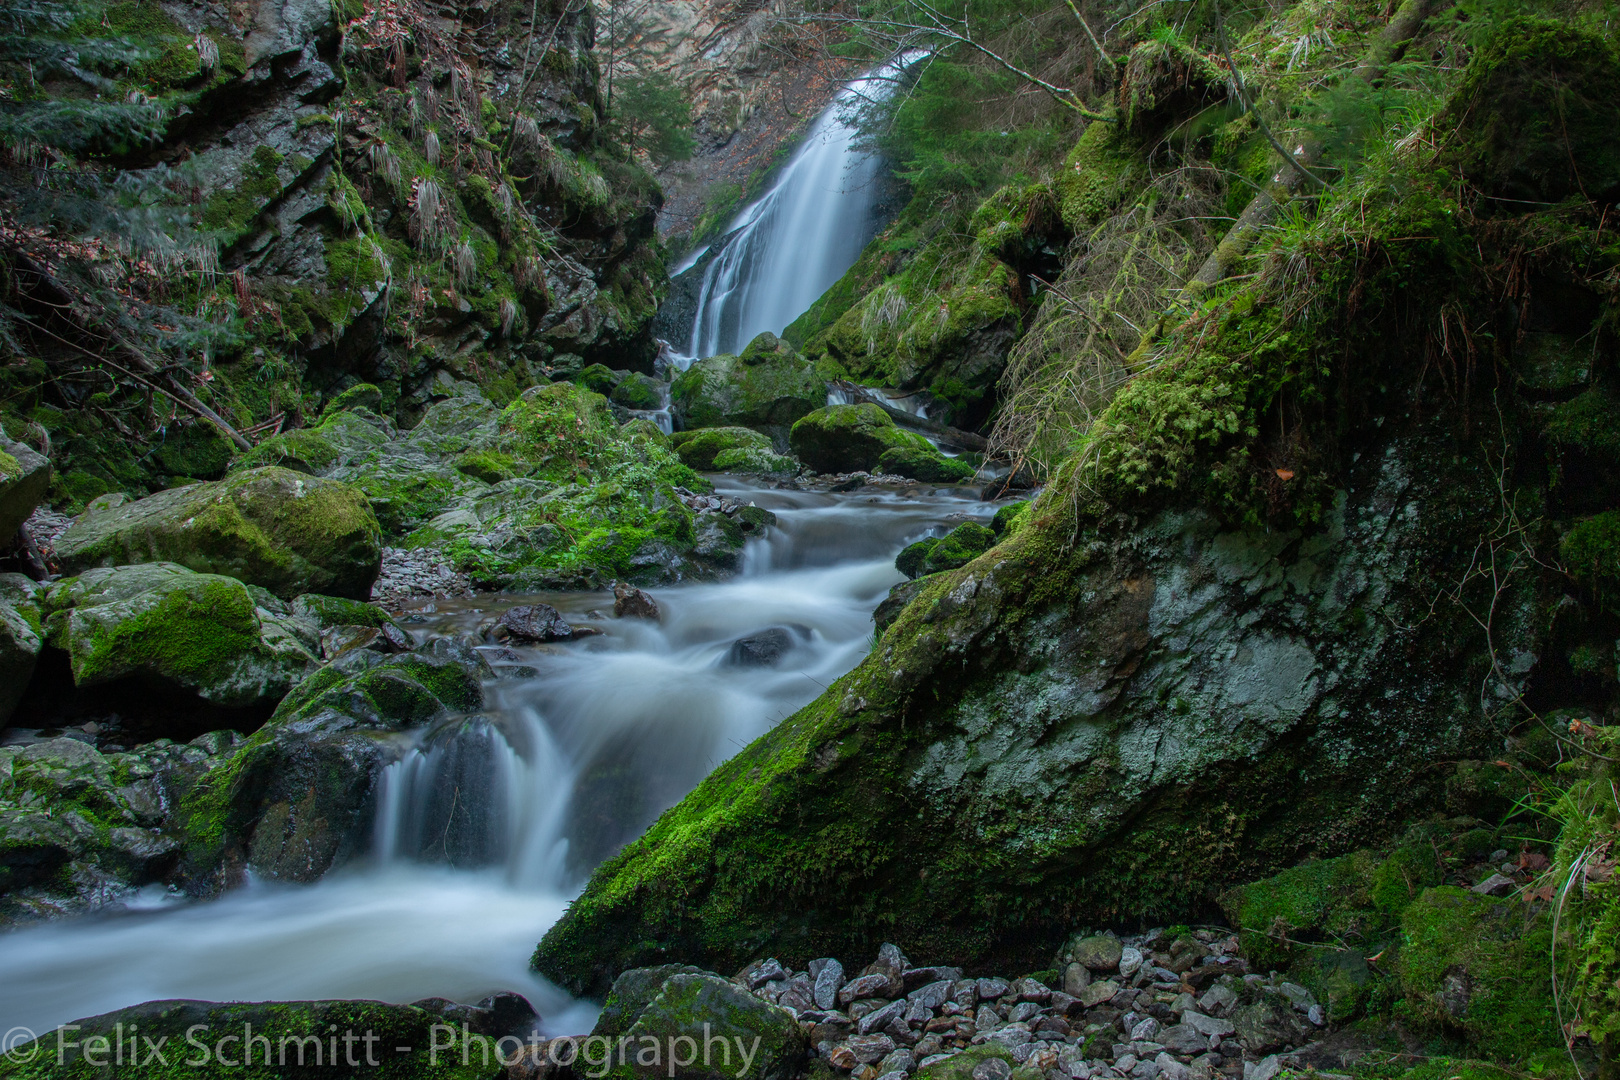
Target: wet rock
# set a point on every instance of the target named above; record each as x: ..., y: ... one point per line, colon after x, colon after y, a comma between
x: 879, y: 1019
x: 699, y: 449
x: 1206, y: 1025
x: 272, y: 527
x: 1098, y: 992
x: 1130, y: 962
x: 893, y: 604
x: 863, y: 987
x: 764, y: 649
x: 867, y: 1049
x: 1267, y: 1024
x: 638, y: 391
x: 535, y: 622
x: 701, y: 1006
x: 1076, y: 977
x: 1183, y: 1039
x: 1098, y: 953
x: 918, y: 977
x: 768, y: 388
x: 630, y: 602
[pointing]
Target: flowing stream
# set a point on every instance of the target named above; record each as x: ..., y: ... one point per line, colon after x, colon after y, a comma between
x: 493, y: 823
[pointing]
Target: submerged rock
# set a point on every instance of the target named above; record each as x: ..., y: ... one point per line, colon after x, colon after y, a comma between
x: 534, y: 622
x: 763, y: 649
x: 630, y: 602
x: 272, y: 527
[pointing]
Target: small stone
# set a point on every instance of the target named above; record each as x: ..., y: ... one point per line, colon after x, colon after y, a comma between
x: 986, y: 1020
x: 1496, y: 885
x: 1023, y: 1011
x: 829, y: 980
x: 1076, y: 977
x: 1145, y: 1029
x: 918, y: 977
x: 901, y: 1061
x: 965, y: 992
x: 1266, y: 1069
x: 990, y: 989
x: 1125, y: 1062
x: 1146, y: 1070
x: 918, y: 1013
x: 932, y: 995
x: 1184, y: 1039
x: 1032, y: 990
x: 863, y: 987
x: 1183, y: 1002
x: 1299, y: 997
x: 881, y: 1018
x: 992, y: 1069
x: 1207, y: 1025
x: 933, y: 1059
x: 1498, y: 855
x: 1170, y: 1068
x: 763, y: 972
x: 1217, y: 1000
x: 1098, y: 992
x: 1316, y: 1016
x: 870, y: 1048
x: 1062, y: 1004
x: 1130, y: 961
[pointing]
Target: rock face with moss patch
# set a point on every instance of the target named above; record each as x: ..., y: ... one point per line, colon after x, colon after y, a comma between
x: 1175, y: 708
x: 679, y: 1006
x: 929, y: 466
x: 299, y: 797
x: 767, y: 388
x: 698, y: 449
x: 162, y: 623
x: 81, y: 830
x: 271, y: 527
x: 25, y: 476
x: 850, y: 438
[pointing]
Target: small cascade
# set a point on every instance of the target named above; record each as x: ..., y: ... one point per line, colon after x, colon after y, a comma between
x: 792, y: 245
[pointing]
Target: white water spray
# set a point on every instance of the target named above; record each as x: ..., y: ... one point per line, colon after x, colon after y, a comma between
x: 792, y: 245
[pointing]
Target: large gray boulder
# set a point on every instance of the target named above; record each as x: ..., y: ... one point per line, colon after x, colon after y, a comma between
x: 282, y: 530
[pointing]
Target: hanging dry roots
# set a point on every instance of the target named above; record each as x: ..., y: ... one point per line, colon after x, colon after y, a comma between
x: 207, y: 52
x: 430, y: 147
x: 466, y: 263
x: 509, y: 314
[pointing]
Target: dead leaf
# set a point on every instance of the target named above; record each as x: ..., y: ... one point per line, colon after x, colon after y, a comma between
x: 1285, y: 474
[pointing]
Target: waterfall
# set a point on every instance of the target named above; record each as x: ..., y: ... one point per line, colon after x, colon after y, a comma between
x: 792, y: 245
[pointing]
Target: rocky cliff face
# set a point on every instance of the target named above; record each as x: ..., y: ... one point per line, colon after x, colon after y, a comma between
x: 407, y: 197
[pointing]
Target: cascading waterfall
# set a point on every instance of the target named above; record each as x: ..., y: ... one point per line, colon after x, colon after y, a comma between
x: 486, y: 825
x: 792, y: 245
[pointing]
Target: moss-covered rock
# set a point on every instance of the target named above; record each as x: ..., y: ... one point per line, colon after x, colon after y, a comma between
x: 299, y: 1038
x: 299, y: 797
x: 755, y: 460
x: 935, y: 555
x: 161, y: 622
x: 359, y: 396
x: 273, y: 527
x: 1536, y: 115
x: 850, y: 438
x: 1583, y: 452
x: 929, y: 466
x: 81, y: 830
x: 25, y: 476
x: 697, y: 449
x: 768, y: 389
x: 1151, y: 706
x: 1479, y: 966
x: 720, y: 1030
x: 1008, y: 518
x: 637, y: 391
x: 21, y: 638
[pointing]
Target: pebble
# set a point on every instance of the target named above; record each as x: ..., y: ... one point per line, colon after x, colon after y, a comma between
x: 418, y: 572
x: 829, y: 979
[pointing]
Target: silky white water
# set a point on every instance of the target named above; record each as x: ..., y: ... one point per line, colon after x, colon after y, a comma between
x: 493, y: 822
x: 784, y: 251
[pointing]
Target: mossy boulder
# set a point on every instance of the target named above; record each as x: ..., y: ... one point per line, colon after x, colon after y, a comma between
x: 300, y: 1038
x: 1535, y: 117
x: 935, y: 555
x: 697, y: 449
x: 25, y: 476
x: 850, y: 438
x: 1151, y: 704
x: 639, y: 392
x: 1476, y: 965
x: 755, y: 460
x: 81, y: 830
x: 599, y: 379
x: 929, y: 466
x: 719, y: 1029
x: 768, y: 389
x: 1008, y: 518
x: 300, y: 796
x: 21, y: 638
x: 273, y: 527
x: 165, y: 624
x: 359, y: 396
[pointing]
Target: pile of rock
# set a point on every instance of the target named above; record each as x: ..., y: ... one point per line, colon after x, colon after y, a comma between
x: 410, y: 573
x: 1149, y: 1008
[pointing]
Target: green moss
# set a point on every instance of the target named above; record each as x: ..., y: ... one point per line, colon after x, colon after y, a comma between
x: 755, y: 460
x: 929, y: 465
x: 232, y: 210
x: 1102, y: 170
x: 1591, y: 550
x: 599, y: 379
x: 913, y: 558
x: 490, y: 466
x: 699, y: 448
x: 767, y: 390
x: 637, y: 391
x: 1478, y: 966
x: 850, y: 438
x: 360, y: 395
x: 1009, y: 518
